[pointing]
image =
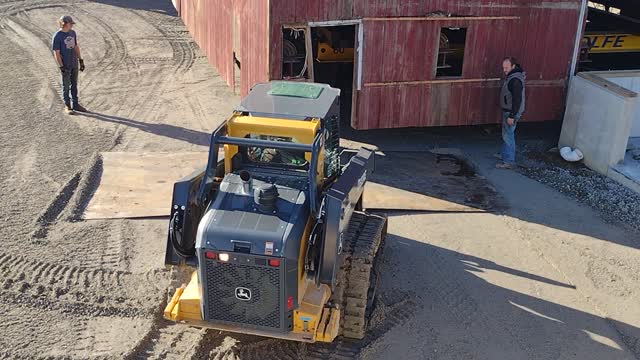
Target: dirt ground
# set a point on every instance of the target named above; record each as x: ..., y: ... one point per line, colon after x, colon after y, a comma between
x: 543, y: 278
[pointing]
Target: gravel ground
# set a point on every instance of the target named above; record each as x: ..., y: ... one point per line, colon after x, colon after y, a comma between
x: 546, y: 278
x: 613, y: 201
x: 74, y: 289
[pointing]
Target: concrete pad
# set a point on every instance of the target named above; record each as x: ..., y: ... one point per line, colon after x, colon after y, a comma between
x: 439, y: 180
x: 383, y: 197
x: 627, y: 173
x: 136, y: 185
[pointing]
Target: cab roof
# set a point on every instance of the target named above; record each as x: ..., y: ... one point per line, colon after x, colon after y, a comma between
x: 290, y: 99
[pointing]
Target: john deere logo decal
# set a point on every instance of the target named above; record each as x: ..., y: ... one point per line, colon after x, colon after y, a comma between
x: 243, y: 294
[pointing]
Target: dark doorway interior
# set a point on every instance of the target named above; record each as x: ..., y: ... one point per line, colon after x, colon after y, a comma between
x: 333, y: 61
x: 294, y: 54
x: 451, y: 52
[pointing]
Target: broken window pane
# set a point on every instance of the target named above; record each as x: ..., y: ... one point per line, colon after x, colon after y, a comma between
x: 451, y: 52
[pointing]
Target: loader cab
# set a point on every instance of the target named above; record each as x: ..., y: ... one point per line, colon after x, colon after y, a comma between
x: 275, y: 131
x: 294, y: 106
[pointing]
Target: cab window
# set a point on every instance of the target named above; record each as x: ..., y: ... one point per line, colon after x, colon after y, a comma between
x: 272, y: 156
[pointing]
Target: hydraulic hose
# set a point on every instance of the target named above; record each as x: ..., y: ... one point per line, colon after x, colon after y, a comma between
x: 176, y: 237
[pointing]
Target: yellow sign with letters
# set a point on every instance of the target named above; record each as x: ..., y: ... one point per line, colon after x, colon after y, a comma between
x: 612, y: 43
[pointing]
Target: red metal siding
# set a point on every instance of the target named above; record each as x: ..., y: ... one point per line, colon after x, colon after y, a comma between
x: 404, y: 51
x: 254, y: 40
x: 211, y: 25
x: 398, y: 55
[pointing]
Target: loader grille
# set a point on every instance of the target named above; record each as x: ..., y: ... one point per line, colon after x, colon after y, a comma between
x: 263, y: 309
x: 332, y: 147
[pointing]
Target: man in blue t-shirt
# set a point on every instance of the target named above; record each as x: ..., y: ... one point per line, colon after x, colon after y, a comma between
x: 67, y: 54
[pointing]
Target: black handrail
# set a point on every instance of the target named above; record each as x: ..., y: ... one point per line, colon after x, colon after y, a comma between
x: 218, y: 137
x: 265, y: 143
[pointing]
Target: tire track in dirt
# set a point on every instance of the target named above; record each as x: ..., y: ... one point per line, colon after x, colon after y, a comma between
x: 393, y: 310
x: 631, y: 343
x: 172, y: 30
x: 115, y: 59
x: 116, y: 51
x: 83, y: 283
x: 145, y: 107
x: 76, y: 336
x: 93, y: 336
x: 171, y: 341
x: 18, y: 267
x: 23, y: 6
x: 100, y: 291
x: 27, y: 38
x: 456, y: 298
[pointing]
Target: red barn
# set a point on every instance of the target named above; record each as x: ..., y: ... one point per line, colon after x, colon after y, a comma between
x: 400, y: 63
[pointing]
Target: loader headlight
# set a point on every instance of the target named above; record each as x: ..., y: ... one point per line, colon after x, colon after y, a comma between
x: 223, y: 257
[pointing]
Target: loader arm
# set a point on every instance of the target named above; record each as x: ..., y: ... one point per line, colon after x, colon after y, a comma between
x: 341, y: 200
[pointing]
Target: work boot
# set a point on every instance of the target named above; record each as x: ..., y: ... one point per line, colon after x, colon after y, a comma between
x: 68, y: 110
x: 80, y: 108
x: 504, y: 166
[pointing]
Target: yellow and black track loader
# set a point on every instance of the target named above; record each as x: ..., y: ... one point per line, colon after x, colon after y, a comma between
x: 274, y: 226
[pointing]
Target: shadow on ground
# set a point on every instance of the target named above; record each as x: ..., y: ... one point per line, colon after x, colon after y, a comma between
x: 439, y: 296
x: 517, y: 196
x: 164, y: 7
x: 170, y: 131
x: 444, y: 280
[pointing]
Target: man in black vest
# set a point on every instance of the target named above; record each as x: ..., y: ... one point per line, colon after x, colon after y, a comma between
x: 512, y: 99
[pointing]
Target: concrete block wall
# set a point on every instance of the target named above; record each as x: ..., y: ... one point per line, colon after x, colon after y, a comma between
x: 629, y: 80
x: 598, y: 120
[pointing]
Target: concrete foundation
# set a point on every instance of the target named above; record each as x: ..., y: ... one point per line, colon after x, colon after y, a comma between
x: 627, y: 173
x: 602, y: 113
x: 629, y: 80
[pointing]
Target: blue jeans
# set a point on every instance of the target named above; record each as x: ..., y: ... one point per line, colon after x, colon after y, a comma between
x: 509, y: 139
x: 70, y: 86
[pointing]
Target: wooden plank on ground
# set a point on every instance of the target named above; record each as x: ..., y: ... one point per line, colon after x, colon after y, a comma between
x: 135, y: 185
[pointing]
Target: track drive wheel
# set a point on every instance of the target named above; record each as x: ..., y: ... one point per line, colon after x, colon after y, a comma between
x: 357, y: 280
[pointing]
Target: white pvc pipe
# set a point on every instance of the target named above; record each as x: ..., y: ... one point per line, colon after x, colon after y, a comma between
x: 571, y: 155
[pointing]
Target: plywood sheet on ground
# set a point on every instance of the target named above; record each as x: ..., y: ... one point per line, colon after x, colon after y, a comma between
x: 134, y: 185
x: 427, y: 181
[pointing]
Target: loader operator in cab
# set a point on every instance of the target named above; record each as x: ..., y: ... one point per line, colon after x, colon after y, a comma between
x: 67, y: 54
x: 275, y: 156
x: 512, y: 99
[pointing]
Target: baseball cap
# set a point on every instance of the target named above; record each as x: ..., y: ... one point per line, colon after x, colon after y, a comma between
x: 66, y: 19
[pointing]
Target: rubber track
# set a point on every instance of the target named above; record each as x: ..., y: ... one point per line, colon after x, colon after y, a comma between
x: 364, y: 237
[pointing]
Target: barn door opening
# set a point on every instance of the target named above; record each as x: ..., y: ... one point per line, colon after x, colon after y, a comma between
x: 333, y: 48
